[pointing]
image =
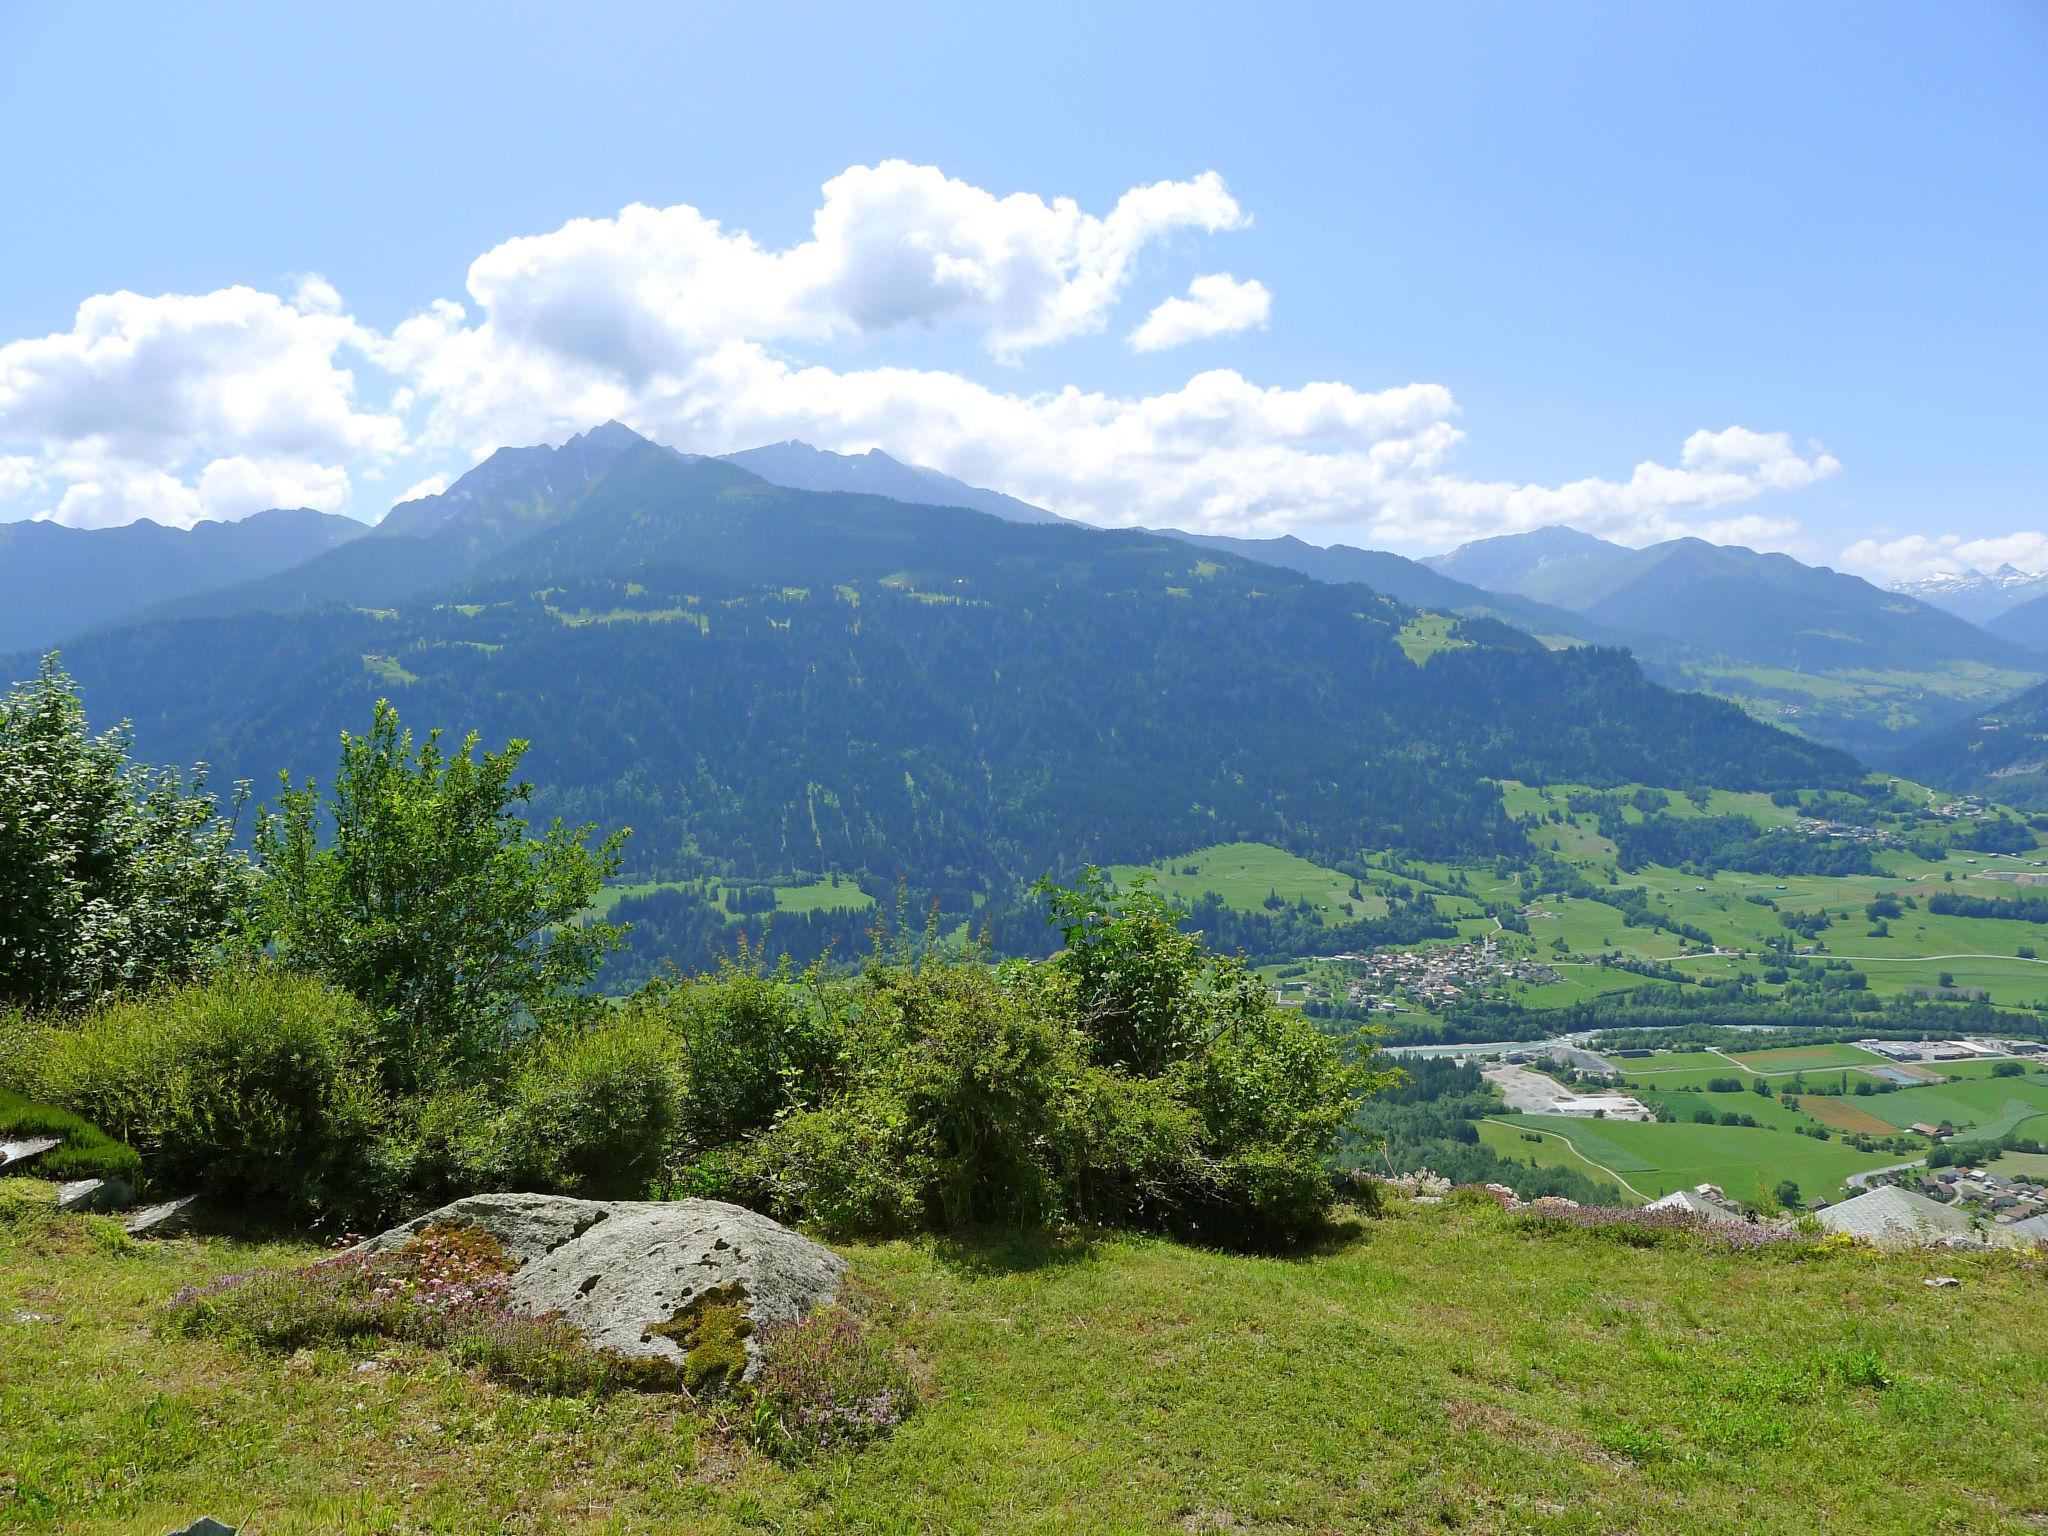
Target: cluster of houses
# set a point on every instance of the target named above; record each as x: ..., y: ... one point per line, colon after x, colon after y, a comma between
x: 1848, y: 831
x: 1993, y: 1201
x: 1436, y: 974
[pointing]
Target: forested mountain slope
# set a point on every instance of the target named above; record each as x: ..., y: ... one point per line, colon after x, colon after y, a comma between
x: 761, y: 680
x: 2001, y: 753
x: 1408, y: 581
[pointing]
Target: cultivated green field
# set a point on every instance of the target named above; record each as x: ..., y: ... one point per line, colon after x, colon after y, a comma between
x: 1990, y: 1106
x: 1442, y: 1370
x: 1981, y: 1068
x: 1765, y: 1111
x: 1806, y: 1058
x: 1655, y: 1159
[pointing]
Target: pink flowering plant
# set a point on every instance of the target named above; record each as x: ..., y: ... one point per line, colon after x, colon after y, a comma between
x: 827, y: 1383
x: 447, y: 1289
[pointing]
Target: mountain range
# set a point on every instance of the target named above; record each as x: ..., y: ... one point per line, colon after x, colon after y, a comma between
x: 56, y: 581
x: 1976, y: 595
x: 1825, y: 654
x: 769, y: 683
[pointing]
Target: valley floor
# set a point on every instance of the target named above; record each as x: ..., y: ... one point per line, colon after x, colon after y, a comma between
x: 1443, y: 1368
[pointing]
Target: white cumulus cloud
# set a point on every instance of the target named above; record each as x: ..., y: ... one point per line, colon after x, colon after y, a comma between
x: 132, y: 404
x: 1217, y: 304
x: 189, y: 406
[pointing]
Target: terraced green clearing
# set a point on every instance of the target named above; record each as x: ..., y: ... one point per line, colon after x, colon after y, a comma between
x: 1657, y: 1159
x: 819, y: 895
x: 1245, y: 874
x: 1427, y: 634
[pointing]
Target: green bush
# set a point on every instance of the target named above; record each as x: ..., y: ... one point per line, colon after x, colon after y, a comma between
x: 749, y: 1044
x: 255, y: 1086
x: 593, y: 1110
x: 846, y: 1168
x: 1141, y: 1081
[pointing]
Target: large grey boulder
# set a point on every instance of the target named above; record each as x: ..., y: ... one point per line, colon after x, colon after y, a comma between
x: 620, y: 1270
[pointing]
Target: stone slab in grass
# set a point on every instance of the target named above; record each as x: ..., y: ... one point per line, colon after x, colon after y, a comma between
x: 168, y: 1219
x: 13, y: 1152
x: 95, y: 1195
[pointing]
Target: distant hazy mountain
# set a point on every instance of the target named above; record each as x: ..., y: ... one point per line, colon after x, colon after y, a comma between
x: 1763, y: 608
x: 1553, y: 565
x: 2025, y: 624
x: 1975, y: 596
x: 56, y: 582
x: 800, y: 467
x: 1829, y: 655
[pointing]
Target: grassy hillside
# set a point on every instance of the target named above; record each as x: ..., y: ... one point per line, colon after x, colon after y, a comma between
x: 1446, y: 1368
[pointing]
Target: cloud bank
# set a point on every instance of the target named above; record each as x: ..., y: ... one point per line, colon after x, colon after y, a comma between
x: 183, y: 407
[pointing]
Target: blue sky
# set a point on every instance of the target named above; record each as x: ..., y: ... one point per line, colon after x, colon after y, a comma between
x: 1543, y: 258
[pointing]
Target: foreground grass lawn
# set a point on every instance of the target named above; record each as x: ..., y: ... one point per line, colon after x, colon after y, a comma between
x: 1441, y: 1369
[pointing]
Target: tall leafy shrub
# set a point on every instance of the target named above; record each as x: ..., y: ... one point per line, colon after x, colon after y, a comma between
x: 416, y: 886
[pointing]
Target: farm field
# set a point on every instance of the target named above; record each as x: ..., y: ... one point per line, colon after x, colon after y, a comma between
x: 2013, y: 1164
x: 1844, y: 1115
x: 1656, y: 1159
x: 1765, y: 1111
x: 1960, y: 1070
x: 1806, y: 1058
x: 1245, y: 874
x: 1988, y: 1107
x: 1545, y: 1149
x: 2015, y: 983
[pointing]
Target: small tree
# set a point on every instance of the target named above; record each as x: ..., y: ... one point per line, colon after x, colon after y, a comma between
x: 112, y: 875
x: 1787, y: 1194
x: 430, y: 901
